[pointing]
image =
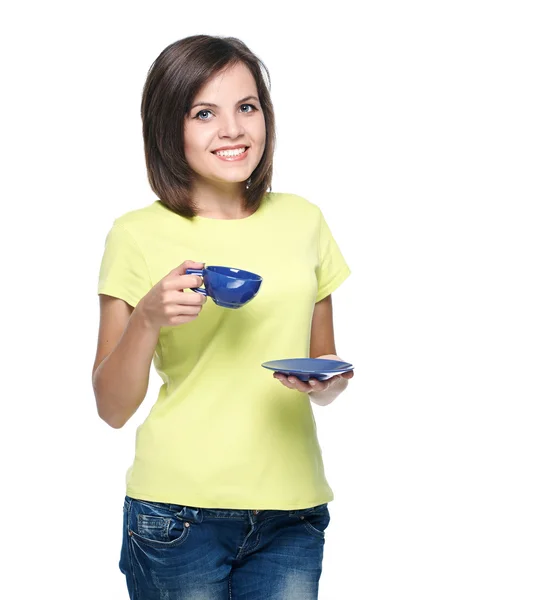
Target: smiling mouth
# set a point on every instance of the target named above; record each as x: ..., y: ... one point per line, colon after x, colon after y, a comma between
x: 231, y: 153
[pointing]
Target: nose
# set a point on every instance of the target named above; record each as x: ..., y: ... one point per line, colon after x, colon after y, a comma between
x: 230, y: 126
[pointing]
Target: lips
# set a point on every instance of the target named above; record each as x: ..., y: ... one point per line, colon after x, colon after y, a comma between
x: 237, y: 147
x: 232, y: 157
x: 231, y: 151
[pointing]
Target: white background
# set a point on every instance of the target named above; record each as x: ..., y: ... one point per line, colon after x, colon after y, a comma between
x: 415, y: 127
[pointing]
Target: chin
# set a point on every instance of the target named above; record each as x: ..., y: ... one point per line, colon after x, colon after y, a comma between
x: 232, y: 178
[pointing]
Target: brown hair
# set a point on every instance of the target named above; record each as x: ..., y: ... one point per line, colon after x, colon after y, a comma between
x: 173, y: 81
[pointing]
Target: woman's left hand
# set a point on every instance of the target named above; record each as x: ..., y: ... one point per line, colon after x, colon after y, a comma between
x: 313, y: 385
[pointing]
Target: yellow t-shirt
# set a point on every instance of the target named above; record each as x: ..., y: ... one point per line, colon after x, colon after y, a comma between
x: 223, y: 432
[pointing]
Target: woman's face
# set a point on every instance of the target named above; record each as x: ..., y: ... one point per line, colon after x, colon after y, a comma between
x: 225, y: 113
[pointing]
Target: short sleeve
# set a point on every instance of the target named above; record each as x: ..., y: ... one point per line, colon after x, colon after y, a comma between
x: 332, y: 269
x: 123, y: 272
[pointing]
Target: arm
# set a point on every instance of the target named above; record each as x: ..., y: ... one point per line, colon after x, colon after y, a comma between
x: 128, y: 338
x: 121, y: 371
x: 322, y: 346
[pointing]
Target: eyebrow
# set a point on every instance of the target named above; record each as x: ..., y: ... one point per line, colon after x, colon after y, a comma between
x: 216, y: 106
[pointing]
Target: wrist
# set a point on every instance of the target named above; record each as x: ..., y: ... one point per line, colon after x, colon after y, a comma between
x: 142, y: 320
x: 325, y: 397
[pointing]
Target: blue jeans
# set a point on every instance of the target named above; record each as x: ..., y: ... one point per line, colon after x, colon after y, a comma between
x: 185, y: 553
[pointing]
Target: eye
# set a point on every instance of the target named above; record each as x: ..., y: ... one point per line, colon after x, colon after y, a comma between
x: 250, y: 106
x: 202, y: 112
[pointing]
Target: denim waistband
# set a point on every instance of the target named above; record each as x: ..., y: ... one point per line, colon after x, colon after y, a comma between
x: 197, y: 515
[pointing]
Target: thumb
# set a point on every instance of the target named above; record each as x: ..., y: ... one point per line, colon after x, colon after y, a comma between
x: 187, y: 264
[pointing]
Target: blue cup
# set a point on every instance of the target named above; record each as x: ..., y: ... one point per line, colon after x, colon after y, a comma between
x: 228, y: 287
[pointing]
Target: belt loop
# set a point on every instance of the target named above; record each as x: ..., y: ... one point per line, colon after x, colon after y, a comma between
x: 189, y: 513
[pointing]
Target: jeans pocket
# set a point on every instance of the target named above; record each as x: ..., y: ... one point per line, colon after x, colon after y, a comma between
x: 316, y: 520
x: 155, y: 525
x: 123, y: 563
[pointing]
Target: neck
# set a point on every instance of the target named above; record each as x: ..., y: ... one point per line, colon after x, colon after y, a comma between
x: 219, y: 200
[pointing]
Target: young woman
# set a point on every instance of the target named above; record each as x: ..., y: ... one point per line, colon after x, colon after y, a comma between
x: 227, y: 496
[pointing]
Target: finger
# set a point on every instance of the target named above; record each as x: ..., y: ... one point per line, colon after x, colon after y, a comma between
x: 284, y: 380
x: 194, y: 299
x: 181, y: 298
x: 187, y: 264
x: 176, y: 310
x: 182, y: 319
x: 317, y: 386
x: 182, y: 282
x: 299, y: 385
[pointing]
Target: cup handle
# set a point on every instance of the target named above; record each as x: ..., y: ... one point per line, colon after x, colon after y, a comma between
x: 199, y: 272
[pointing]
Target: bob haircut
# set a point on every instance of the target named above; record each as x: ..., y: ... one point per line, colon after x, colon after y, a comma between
x: 173, y: 81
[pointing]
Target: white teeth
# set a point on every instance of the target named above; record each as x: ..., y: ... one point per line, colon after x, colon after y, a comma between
x: 235, y: 152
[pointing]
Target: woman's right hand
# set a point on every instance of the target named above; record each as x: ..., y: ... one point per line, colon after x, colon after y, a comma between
x: 166, y: 304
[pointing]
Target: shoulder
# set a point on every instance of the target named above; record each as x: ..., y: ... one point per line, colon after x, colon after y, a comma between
x: 294, y: 204
x: 142, y: 221
x: 143, y: 225
x: 138, y: 229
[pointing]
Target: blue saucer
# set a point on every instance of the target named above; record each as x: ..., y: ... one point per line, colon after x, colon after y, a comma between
x: 306, y: 368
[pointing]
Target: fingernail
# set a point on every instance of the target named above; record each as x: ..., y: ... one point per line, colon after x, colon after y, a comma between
x: 291, y: 379
x: 311, y: 382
